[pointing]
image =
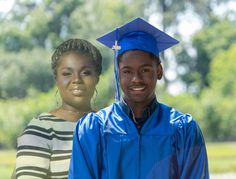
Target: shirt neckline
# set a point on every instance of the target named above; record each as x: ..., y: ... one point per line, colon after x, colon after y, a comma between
x: 147, y: 111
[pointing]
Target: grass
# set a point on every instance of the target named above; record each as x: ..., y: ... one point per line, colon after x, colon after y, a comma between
x: 221, y: 158
x: 7, y: 163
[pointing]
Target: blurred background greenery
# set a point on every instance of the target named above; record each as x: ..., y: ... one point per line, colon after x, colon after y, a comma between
x: 199, y: 76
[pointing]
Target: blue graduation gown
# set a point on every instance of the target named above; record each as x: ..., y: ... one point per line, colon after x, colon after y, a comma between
x: 107, y: 145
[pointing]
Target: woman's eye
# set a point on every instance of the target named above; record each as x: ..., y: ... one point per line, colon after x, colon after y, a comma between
x: 66, y: 73
x: 86, y: 72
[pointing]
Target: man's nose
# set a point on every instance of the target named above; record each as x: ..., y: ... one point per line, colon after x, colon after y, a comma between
x: 137, y: 77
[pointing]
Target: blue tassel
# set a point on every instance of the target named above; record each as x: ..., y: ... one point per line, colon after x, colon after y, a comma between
x: 116, y: 47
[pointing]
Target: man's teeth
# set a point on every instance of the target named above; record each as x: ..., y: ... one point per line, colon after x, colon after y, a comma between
x: 138, y: 89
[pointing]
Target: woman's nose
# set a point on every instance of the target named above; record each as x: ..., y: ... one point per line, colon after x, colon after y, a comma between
x: 76, y: 78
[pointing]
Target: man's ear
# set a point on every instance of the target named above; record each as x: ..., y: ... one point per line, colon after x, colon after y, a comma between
x: 159, y: 71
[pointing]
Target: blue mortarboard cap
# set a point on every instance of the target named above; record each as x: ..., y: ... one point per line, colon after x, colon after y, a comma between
x: 136, y: 35
x: 140, y: 35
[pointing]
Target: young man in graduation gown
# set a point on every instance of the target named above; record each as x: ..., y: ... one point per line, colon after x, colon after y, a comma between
x: 137, y: 137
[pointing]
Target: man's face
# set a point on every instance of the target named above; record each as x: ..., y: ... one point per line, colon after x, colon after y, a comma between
x: 138, y: 73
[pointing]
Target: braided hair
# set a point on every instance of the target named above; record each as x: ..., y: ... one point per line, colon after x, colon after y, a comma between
x: 80, y: 46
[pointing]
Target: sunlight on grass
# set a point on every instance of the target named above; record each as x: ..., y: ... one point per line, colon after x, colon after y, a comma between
x: 6, y: 172
x: 222, y: 157
x: 7, y: 163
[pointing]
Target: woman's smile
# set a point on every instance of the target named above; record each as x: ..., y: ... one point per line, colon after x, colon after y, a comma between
x: 78, y: 91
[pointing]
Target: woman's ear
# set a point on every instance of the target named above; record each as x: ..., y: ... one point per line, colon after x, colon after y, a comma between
x: 56, y: 82
x: 98, y: 78
x: 159, y: 71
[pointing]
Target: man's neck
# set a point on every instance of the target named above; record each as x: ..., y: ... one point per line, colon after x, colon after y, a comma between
x: 138, y: 108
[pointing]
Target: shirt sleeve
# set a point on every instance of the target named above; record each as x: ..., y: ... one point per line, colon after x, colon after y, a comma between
x: 191, y: 150
x: 86, y: 152
x: 33, y: 153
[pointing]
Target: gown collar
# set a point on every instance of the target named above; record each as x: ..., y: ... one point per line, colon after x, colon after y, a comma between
x: 147, y: 111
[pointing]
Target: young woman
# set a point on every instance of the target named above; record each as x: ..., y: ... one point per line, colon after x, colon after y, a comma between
x: 44, y: 148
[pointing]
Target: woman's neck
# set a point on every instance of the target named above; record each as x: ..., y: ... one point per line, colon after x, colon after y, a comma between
x: 72, y: 115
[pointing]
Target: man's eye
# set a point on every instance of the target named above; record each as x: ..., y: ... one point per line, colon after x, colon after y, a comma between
x: 145, y: 70
x: 126, y: 71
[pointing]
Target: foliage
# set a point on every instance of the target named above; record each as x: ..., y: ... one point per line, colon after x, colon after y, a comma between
x: 36, y: 23
x: 24, y: 70
x: 170, y: 11
x: 98, y: 17
x: 217, y: 99
x: 105, y: 89
x: 170, y: 14
x: 208, y: 43
x: 222, y: 77
x: 16, y: 113
x: 185, y: 103
x: 25, y: 35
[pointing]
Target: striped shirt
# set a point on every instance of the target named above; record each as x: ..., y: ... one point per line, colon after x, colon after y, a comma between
x: 44, y: 149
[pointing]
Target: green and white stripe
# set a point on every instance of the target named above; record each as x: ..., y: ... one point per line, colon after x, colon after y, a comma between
x: 44, y: 148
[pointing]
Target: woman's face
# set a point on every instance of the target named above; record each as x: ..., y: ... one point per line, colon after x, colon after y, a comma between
x: 76, y: 81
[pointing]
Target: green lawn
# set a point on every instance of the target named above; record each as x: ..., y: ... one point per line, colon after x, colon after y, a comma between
x: 7, y: 163
x: 222, y: 159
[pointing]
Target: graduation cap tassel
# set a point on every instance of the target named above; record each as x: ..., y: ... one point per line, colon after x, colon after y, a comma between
x: 116, y: 74
x: 116, y: 47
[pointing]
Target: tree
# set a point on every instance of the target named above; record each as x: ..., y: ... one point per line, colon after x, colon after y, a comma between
x: 169, y: 14
x: 36, y: 23
x: 96, y: 18
x: 208, y: 43
x: 21, y: 71
x: 15, y: 114
x: 219, y: 108
x: 45, y: 24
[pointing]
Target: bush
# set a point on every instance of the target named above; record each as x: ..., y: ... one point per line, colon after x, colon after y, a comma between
x: 16, y: 113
